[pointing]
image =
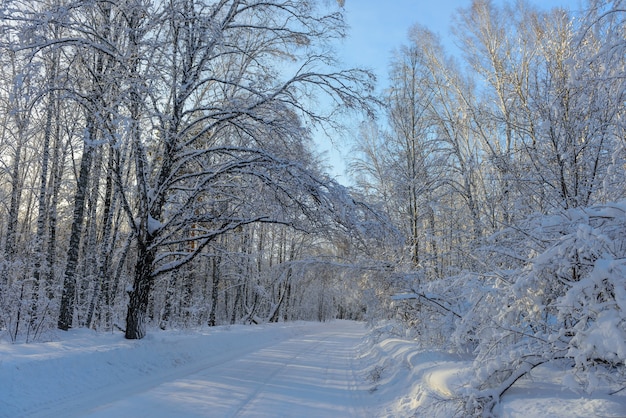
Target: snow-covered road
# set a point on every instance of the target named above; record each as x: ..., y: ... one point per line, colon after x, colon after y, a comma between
x: 292, y: 370
x: 311, y: 375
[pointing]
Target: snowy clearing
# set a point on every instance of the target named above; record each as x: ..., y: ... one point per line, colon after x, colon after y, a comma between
x: 287, y: 370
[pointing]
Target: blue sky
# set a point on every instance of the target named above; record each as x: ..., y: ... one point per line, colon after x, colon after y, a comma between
x: 377, y: 27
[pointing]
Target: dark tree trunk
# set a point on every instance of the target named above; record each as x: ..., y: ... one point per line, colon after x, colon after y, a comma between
x: 106, y: 246
x: 238, y: 297
x: 140, y: 294
x: 69, y: 281
x: 214, y: 296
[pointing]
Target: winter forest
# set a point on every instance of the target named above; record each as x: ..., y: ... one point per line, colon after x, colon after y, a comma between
x: 158, y: 170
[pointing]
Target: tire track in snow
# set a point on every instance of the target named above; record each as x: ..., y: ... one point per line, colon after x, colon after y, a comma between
x: 241, y: 411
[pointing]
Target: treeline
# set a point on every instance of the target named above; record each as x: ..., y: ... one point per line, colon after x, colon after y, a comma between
x: 503, y: 165
x: 157, y: 166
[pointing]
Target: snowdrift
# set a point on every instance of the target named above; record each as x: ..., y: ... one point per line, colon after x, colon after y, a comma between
x: 412, y: 382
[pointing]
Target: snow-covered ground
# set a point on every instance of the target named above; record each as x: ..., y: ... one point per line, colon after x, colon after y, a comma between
x: 280, y: 370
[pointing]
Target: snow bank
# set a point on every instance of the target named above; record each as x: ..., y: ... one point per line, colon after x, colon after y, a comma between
x: 410, y: 381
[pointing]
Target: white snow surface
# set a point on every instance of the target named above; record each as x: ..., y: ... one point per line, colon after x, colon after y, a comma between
x: 332, y: 369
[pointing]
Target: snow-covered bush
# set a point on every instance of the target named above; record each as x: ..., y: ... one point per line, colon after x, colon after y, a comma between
x: 591, y: 313
x: 553, y: 290
x: 565, y: 302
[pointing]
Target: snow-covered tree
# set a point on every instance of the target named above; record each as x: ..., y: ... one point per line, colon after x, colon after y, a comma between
x: 220, y: 153
x: 531, y: 198
x: 188, y: 123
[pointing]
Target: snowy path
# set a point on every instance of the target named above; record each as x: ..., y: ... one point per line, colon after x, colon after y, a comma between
x: 307, y: 376
x: 306, y: 371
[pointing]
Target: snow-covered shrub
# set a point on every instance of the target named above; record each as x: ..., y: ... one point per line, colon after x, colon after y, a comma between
x: 565, y: 302
x: 552, y: 289
x: 591, y: 313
